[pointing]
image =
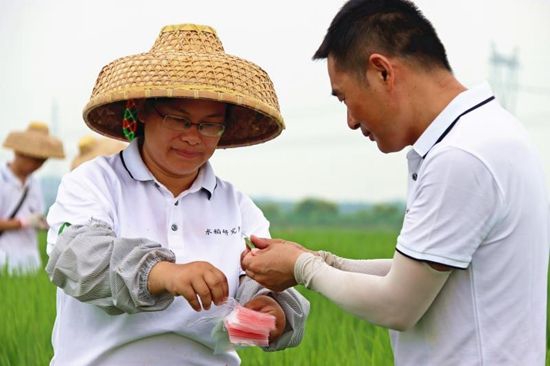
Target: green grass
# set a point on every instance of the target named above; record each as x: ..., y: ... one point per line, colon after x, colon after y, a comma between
x: 333, y: 337
x: 27, y: 308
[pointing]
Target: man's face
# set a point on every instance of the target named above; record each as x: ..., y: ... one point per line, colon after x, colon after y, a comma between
x: 369, y: 105
x: 28, y: 164
x: 179, y: 152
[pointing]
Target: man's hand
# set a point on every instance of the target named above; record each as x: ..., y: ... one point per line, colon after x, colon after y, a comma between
x: 268, y: 305
x: 35, y: 220
x: 193, y: 281
x: 271, y: 263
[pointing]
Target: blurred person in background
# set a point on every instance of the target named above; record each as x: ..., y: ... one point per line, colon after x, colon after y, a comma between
x: 467, y: 284
x: 21, y: 200
x: 145, y: 245
x: 90, y: 147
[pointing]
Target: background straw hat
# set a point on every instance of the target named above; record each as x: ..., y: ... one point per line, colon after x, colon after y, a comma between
x: 188, y: 61
x: 90, y: 147
x: 35, y: 141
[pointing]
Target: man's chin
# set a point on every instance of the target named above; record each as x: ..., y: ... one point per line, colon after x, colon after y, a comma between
x: 388, y: 149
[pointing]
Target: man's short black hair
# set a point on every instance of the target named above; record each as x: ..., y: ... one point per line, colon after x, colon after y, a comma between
x: 395, y: 28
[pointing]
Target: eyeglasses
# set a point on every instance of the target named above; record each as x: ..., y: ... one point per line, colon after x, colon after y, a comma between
x: 178, y: 123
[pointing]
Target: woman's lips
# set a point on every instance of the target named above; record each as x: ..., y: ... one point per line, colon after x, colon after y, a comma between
x: 189, y: 154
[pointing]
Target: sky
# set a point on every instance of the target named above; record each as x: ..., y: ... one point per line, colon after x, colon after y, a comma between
x: 52, y: 52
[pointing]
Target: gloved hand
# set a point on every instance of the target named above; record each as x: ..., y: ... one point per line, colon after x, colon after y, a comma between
x: 35, y: 220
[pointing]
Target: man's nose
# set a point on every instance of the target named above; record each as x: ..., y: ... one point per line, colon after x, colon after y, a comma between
x: 352, y: 122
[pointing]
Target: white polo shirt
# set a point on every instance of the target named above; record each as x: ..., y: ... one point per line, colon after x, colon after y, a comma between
x: 204, y: 223
x: 19, y: 248
x: 477, y: 201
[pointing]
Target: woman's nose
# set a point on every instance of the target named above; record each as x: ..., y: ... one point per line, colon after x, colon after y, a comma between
x: 190, y: 135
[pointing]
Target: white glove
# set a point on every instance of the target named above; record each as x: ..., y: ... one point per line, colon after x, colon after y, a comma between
x: 35, y: 220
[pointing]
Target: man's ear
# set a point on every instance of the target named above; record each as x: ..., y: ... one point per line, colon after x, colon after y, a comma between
x: 382, y: 66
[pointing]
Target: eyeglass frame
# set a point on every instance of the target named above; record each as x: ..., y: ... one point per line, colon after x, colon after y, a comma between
x: 186, y: 124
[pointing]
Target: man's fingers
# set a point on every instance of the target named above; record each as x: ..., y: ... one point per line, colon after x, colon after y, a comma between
x: 260, y: 243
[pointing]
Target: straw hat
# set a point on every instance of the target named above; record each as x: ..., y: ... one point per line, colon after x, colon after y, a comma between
x: 35, y: 141
x: 90, y: 147
x: 188, y: 61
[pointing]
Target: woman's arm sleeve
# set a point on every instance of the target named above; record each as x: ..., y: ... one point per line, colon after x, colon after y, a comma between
x: 89, y: 263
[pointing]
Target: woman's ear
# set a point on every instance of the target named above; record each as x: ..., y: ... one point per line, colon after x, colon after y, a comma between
x: 140, y: 108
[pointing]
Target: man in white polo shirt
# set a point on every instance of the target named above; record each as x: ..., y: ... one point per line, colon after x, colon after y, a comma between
x: 468, y: 281
x: 145, y: 245
x: 21, y: 200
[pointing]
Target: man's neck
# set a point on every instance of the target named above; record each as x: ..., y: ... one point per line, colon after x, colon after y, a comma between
x: 431, y: 94
x: 17, y: 171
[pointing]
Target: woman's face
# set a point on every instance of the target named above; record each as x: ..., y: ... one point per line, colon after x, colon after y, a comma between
x: 180, y: 135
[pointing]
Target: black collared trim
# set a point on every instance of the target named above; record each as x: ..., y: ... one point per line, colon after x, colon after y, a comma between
x: 208, y: 193
x: 455, y: 121
x: 124, y: 164
x: 427, y: 261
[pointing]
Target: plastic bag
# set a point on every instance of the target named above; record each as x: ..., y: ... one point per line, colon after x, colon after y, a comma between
x: 234, y: 326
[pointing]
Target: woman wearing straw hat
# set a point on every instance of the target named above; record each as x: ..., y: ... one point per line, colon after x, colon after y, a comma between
x: 21, y: 201
x: 151, y: 235
x: 90, y: 147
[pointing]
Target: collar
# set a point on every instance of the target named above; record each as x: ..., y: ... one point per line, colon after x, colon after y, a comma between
x: 6, y: 173
x: 136, y: 168
x: 461, y: 103
x: 8, y: 176
x: 133, y: 163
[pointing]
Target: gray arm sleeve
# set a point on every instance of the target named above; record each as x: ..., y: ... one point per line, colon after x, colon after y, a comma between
x: 397, y: 300
x: 91, y: 264
x: 377, y: 267
x: 295, y: 307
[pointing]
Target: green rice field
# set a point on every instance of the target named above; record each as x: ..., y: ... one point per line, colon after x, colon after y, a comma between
x: 333, y: 337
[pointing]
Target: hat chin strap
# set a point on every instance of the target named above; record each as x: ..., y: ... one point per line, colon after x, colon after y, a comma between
x: 129, y: 120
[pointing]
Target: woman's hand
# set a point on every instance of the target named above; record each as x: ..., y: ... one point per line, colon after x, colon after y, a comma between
x: 268, y: 305
x: 194, y: 281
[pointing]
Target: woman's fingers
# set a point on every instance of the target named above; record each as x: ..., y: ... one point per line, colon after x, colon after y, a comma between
x: 217, y: 284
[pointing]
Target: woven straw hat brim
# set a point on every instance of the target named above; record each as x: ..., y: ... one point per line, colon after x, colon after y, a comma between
x: 103, y: 147
x: 35, y: 144
x: 169, y: 72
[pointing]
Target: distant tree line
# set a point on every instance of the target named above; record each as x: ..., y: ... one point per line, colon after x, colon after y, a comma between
x: 320, y: 212
x: 308, y: 212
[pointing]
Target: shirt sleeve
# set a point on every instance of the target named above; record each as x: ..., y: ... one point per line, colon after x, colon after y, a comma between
x: 253, y: 219
x: 454, y: 207
x: 81, y: 196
